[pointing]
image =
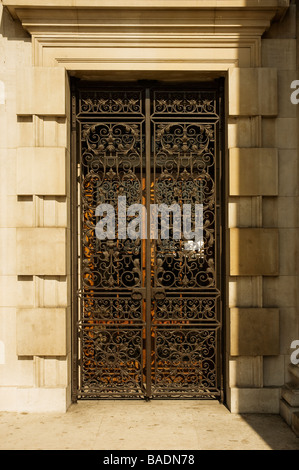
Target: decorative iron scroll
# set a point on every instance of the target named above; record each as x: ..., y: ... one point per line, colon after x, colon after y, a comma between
x: 185, y: 102
x: 186, y: 309
x: 111, y: 360
x: 185, y: 361
x: 111, y: 102
x: 149, y: 326
x: 111, y: 162
x: 112, y: 309
x: 185, y: 174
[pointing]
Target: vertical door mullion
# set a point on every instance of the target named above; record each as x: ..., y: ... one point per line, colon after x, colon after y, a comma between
x: 148, y: 239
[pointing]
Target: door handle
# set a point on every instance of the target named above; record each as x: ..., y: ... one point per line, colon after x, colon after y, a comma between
x: 159, y: 294
x: 138, y: 294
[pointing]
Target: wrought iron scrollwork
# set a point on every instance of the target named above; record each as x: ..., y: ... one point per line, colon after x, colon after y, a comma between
x: 110, y: 102
x: 185, y: 102
x: 111, y: 360
x: 186, y: 309
x: 111, y: 156
x: 185, y: 361
x: 185, y: 174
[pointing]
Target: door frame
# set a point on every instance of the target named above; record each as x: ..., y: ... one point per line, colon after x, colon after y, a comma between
x: 222, y: 215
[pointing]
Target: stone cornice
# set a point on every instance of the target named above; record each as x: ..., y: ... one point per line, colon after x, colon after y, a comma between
x: 249, y: 17
x: 211, y: 4
x: 89, y: 34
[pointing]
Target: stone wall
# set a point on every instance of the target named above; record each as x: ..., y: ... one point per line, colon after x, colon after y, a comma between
x: 289, y: 404
x: 34, y: 369
x: 272, y: 205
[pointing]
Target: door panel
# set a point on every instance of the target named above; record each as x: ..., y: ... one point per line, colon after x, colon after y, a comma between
x: 149, y: 317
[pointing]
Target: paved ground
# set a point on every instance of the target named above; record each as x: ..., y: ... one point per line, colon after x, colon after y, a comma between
x: 137, y: 425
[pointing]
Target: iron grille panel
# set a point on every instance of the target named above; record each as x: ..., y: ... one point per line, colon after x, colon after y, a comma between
x: 111, y: 102
x: 111, y: 361
x: 192, y: 102
x: 185, y: 362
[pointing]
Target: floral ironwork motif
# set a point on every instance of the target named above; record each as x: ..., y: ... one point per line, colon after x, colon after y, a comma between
x: 185, y: 174
x: 111, y: 360
x: 182, y: 102
x: 185, y: 361
x: 186, y: 309
x: 111, y: 160
x: 110, y: 309
x: 110, y: 102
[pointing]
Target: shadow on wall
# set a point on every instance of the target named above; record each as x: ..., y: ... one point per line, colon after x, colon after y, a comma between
x: 9, y: 28
x: 274, y: 431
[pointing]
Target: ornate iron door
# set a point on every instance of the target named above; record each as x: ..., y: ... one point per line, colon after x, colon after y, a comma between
x: 148, y: 322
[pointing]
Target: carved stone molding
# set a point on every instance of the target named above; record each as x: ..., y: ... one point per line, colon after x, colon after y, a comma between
x: 167, y: 16
x: 203, y: 35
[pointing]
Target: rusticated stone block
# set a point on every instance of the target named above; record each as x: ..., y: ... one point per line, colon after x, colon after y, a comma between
x: 254, y: 252
x: 41, y: 332
x: 254, y: 331
x: 255, y: 400
x: 41, y: 171
x: 41, y: 251
x: 253, y: 172
x: 253, y: 92
x: 41, y: 91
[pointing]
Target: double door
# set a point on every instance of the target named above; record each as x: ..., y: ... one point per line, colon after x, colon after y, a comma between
x: 148, y: 241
